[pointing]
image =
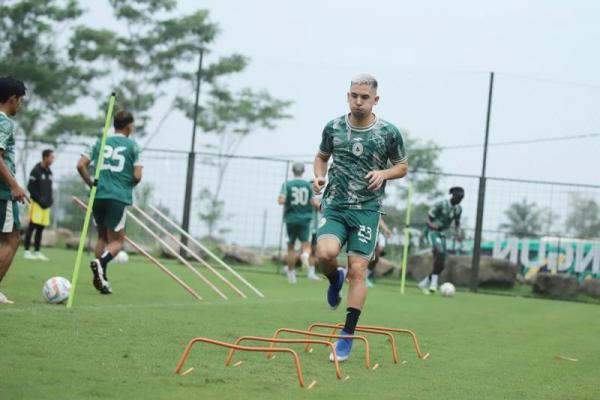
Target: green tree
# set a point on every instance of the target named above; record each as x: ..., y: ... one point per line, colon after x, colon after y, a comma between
x: 524, y: 219
x: 31, y: 33
x: 583, y: 219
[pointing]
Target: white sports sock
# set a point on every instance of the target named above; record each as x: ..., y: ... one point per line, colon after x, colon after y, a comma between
x: 434, y: 280
x: 293, y: 275
x: 311, y: 271
x: 424, y: 282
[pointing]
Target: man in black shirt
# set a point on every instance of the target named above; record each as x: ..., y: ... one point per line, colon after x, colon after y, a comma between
x: 40, y: 189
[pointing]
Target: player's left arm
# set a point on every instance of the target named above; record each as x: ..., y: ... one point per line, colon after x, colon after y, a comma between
x: 397, y: 156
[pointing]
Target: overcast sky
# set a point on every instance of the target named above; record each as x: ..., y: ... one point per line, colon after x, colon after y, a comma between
x: 432, y: 59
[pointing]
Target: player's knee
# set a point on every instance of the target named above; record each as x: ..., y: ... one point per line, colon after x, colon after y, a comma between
x: 326, y: 253
x: 357, y: 272
x: 14, y: 239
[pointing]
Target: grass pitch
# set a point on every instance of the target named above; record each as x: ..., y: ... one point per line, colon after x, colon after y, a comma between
x: 126, y: 346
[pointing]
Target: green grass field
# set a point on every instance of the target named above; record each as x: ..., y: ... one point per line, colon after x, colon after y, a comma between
x: 126, y: 346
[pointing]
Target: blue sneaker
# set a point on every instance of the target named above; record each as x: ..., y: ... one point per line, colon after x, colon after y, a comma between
x: 333, y: 293
x: 343, y: 347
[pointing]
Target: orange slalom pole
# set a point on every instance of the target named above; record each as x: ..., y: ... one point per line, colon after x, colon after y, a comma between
x: 334, y: 329
x: 325, y: 335
x: 153, y: 260
x: 191, y: 343
x: 338, y: 372
x: 186, y: 248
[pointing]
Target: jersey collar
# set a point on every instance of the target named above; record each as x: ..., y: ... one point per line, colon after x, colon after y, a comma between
x: 3, y: 113
x: 361, y: 129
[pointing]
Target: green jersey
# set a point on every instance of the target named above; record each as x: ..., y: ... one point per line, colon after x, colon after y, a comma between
x: 298, y: 195
x: 442, y: 214
x: 7, y: 143
x: 356, y: 152
x: 121, y: 155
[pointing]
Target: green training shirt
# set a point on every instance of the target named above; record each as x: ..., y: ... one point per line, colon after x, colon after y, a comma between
x: 7, y: 143
x: 298, y: 195
x: 442, y: 214
x: 356, y: 152
x: 121, y: 155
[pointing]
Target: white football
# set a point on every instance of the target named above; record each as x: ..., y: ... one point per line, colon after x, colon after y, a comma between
x: 56, y: 290
x: 121, y: 257
x: 447, y: 289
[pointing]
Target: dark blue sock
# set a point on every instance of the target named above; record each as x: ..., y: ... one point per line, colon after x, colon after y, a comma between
x: 352, y: 315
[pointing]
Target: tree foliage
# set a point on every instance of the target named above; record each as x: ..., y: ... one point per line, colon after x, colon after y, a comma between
x: 583, y: 220
x: 524, y: 219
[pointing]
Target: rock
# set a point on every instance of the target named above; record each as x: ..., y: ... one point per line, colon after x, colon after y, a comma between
x: 591, y: 287
x: 240, y: 254
x: 49, y: 238
x: 555, y: 285
x: 385, y: 267
x: 73, y: 243
x: 492, y: 272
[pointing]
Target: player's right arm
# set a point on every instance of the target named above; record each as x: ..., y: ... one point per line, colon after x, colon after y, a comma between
x: 321, y: 159
x: 432, y: 216
x: 82, y: 168
x: 281, y: 198
x: 16, y: 191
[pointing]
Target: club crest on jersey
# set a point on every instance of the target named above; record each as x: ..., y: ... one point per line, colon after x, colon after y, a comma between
x: 357, y: 149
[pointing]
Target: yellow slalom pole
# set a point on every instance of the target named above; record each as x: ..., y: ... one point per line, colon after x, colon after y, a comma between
x: 88, y: 213
x: 406, y: 237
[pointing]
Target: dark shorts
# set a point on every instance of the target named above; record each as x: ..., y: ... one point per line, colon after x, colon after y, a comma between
x: 298, y: 231
x: 110, y: 214
x: 9, y: 216
x: 358, y: 229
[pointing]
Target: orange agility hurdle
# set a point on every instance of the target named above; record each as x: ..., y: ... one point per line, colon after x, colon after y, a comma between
x: 268, y: 350
x: 308, y: 342
x: 324, y: 335
x: 335, y: 327
x: 408, y: 332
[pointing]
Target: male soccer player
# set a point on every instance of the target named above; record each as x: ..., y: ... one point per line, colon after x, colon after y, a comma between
x: 441, y: 215
x: 40, y: 191
x: 297, y: 199
x: 12, y: 92
x: 367, y: 151
x: 122, y: 170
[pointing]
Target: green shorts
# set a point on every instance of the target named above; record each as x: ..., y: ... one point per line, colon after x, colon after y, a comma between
x: 438, y: 242
x: 298, y: 231
x: 9, y: 216
x: 358, y: 229
x: 110, y: 214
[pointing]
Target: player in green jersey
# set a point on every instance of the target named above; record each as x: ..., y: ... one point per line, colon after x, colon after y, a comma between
x: 297, y: 199
x: 367, y: 151
x: 440, y: 217
x: 122, y: 170
x: 12, y: 92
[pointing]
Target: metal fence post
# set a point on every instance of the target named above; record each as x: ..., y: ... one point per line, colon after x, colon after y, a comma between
x: 287, y: 171
x: 481, y: 195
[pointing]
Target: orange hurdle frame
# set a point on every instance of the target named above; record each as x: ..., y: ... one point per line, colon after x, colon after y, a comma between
x: 408, y: 332
x: 325, y: 335
x: 335, y: 327
x: 308, y: 342
x: 268, y: 350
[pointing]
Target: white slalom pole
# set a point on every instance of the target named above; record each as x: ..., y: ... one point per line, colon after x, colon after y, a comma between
x: 186, y: 248
x: 176, y: 254
x: 206, y: 250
